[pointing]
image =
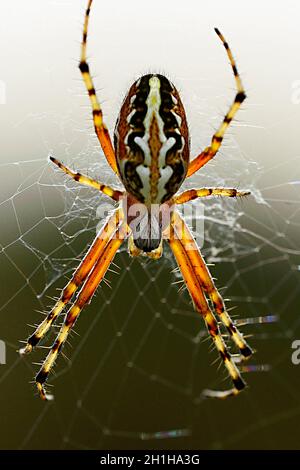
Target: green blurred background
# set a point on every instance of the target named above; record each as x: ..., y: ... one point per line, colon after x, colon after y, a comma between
x: 140, y: 359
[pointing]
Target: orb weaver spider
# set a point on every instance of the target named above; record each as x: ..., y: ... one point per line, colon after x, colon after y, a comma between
x: 150, y: 156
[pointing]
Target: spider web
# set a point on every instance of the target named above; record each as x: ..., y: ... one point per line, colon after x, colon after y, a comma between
x: 133, y: 375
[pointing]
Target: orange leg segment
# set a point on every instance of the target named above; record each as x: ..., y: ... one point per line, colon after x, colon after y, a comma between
x: 217, y: 138
x: 87, y: 291
x: 206, y: 281
x: 100, y: 127
x: 92, y: 256
x: 181, y: 251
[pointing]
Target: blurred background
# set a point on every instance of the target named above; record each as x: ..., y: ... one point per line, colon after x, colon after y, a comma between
x: 133, y: 375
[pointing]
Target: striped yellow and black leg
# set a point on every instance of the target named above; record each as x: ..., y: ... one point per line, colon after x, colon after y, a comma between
x: 205, y: 279
x: 107, y: 190
x: 191, y: 279
x: 191, y: 194
x: 83, y: 298
x: 81, y: 273
x: 100, y: 127
x: 217, y: 139
x: 132, y: 249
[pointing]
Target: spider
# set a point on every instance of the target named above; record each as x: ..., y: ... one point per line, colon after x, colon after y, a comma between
x: 151, y: 157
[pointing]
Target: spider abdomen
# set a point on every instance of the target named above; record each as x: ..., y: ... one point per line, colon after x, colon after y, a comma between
x: 152, y: 140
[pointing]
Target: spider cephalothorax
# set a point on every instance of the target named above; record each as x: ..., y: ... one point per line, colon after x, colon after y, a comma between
x: 151, y: 158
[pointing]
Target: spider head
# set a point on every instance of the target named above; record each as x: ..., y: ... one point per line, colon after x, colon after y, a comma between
x: 151, y: 140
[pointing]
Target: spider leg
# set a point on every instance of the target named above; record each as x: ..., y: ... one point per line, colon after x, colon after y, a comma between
x: 92, y: 256
x: 132, y: 249
x: 83, y: 298
x: 207, y: 284
x: 157, y: 253
x: 111, y: 192
x: 209, y: 152
x: 180, y: 250
x: 100, y: 127
x: 191, y: 194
